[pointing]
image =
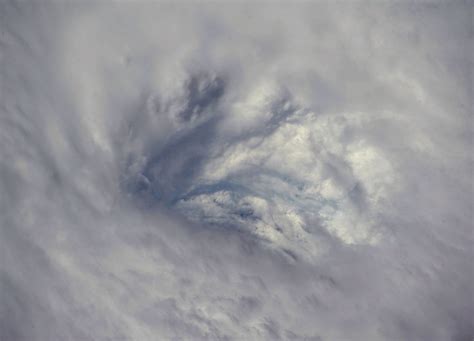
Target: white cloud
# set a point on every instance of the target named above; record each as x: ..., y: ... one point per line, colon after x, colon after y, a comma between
x: 235, y: 171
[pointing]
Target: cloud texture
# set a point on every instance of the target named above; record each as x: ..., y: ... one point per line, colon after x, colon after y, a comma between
x: 236, y: 171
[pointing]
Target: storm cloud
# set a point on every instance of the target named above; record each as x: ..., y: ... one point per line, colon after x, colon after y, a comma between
x: 236, y: 170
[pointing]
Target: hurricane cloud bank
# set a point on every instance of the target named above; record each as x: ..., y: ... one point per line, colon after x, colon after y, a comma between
x: 226, y: 170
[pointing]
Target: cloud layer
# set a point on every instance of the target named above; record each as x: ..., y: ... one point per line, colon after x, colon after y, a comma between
x: 236, y: 171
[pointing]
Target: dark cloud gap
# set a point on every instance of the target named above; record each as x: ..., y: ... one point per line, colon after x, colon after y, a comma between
x: 170, y: 170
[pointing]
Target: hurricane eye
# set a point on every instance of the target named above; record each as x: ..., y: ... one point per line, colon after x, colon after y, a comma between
x: 285, y: 179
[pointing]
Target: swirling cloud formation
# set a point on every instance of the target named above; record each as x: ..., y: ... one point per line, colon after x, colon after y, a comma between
x: 241, y: 171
